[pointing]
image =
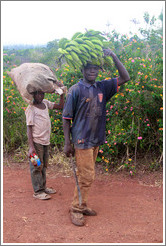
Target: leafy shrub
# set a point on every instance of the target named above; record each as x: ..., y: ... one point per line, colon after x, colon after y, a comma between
x: 14, y: 129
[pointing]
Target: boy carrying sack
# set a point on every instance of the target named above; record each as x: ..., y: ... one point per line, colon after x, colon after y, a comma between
x: 33, y: 80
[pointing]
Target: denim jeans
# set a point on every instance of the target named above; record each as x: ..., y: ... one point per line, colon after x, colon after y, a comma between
x: 38, y: 174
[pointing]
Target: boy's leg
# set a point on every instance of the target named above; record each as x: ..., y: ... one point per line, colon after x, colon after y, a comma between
x: 45, y: 163
x: 85, y: 161
x: 36, y: 172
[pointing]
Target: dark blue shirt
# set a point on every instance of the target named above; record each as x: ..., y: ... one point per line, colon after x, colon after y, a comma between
x: 86, y: 106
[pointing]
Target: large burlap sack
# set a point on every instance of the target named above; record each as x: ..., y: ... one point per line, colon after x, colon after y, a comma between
x: 31, y: 77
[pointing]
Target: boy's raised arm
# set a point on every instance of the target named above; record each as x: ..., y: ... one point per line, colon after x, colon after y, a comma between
x: 60, y: 104
x: 123, y: 74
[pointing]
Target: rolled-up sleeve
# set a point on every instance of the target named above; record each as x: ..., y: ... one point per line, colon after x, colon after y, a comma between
x: 71, y: 102
x: 68, y: 107
x: 50, y: 105
x: 29, y: 116
x: 111, y: 87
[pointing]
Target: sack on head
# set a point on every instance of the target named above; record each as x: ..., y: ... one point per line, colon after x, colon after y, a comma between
x: 31, y: 77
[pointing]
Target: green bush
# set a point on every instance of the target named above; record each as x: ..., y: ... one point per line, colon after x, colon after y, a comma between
x: 14, y: 129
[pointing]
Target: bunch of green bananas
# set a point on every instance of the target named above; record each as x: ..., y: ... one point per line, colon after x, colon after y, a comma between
x: 83, y: 49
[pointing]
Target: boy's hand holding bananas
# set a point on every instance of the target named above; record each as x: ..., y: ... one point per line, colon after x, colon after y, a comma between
x: 108, y: 52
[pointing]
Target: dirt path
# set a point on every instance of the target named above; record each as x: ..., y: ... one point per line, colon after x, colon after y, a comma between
x: 130, y: 210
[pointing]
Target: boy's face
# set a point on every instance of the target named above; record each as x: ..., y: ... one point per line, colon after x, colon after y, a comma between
x: 90, y: 73
x: 38, y: 96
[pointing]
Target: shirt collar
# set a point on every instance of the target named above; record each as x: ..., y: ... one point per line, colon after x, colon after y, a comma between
x: 87, y: 84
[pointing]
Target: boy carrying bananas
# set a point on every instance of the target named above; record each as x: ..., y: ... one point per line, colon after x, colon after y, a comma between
x: 85, y: 106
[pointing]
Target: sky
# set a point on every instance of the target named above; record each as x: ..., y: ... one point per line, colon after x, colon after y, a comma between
x: 39, y: 22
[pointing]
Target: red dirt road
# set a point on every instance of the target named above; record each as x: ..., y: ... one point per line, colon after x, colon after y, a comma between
x: 130, y: 210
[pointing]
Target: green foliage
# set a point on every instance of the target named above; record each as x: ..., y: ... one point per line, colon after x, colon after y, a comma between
x: 57, y: 137
x: 14, y: 130
x: 134, y: 115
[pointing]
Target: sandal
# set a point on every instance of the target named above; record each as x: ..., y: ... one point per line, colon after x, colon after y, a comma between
x: 77, y: 218
x: 50, y: 191
x: 89, y: 212
x: 41, y: 196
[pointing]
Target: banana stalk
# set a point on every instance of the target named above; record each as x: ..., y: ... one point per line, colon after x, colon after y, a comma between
x: 84, y: 48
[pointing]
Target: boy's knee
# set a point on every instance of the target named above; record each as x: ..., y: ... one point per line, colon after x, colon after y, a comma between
x: 87, y: 178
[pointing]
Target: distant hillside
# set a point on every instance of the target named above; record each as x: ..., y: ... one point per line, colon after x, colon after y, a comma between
x: 23, y: 46
x: 14, y: 55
